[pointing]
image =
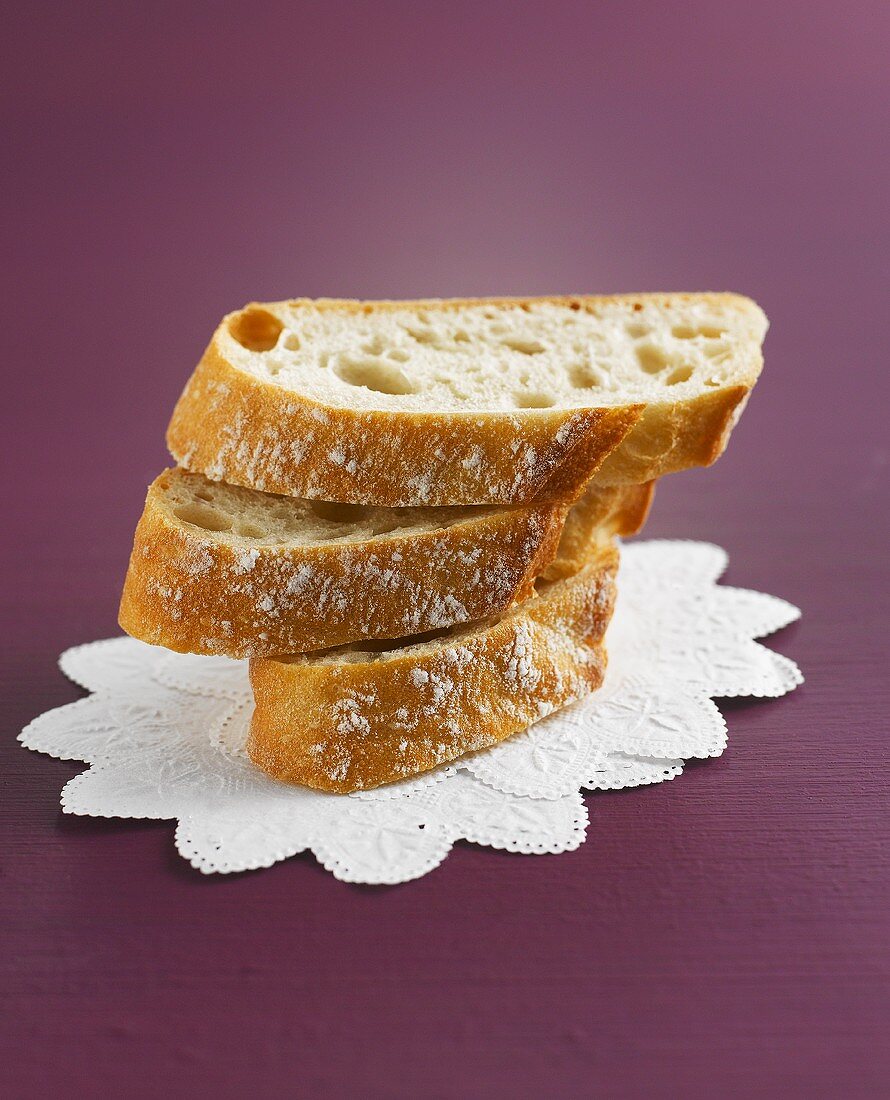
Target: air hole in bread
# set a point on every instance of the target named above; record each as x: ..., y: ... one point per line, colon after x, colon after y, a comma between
x: 338, y: 513
x: 456, y: 389
x: 651, y: 359
x: 250, y: 531
x: 461, y: 336
x: 399, y: 354
x: 204, y: 494
x: 373, y: 347
x: 687, y: 332
x: 373, y: 374
x: 292, y: 342
x: 200, y: 515
x: 526, y: 347
x: 635, y: 331
x: 255, y: 329
x: 716, y: 352
x: 421, y: 335
x: 533, y: 400
x: 680, y: 374
x: 583, y: 376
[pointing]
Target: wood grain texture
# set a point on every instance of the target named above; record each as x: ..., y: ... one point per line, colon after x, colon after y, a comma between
x: 721, y: 935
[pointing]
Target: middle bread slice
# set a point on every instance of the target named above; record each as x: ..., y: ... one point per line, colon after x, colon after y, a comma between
x: 357, y: 717
x: 219, y: 569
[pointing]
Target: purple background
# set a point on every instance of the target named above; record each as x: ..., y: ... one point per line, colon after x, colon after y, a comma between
x: 724, y: 934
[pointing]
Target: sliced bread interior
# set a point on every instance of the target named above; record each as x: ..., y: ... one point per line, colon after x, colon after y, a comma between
x: 499, y: 355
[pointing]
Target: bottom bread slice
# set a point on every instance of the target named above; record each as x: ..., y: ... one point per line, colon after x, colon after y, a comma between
x: 356, y: 717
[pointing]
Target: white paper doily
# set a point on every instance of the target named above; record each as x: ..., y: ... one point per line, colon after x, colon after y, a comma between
x: 164, y: 734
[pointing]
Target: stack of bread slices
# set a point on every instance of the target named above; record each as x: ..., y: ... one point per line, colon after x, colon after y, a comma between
x: 406, y: 514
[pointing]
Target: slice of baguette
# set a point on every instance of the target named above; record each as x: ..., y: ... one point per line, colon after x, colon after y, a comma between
x: 221, y: 569
x: 480, y: 401
x: 358, y: 717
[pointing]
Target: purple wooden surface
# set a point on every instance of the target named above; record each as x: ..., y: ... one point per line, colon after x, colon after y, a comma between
x: 724, y: 934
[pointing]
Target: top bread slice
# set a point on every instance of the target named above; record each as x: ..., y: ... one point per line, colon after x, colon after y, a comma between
x: 471, y: 401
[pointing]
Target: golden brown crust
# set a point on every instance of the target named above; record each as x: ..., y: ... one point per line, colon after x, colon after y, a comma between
x: 345, y: 725
x: 192, y: 592
x: 669, y: 438
x: 602, y: 511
